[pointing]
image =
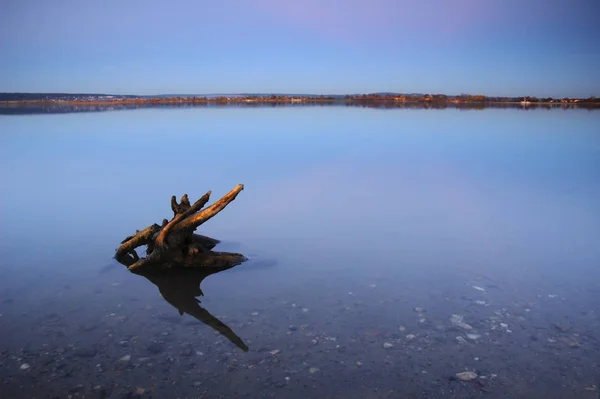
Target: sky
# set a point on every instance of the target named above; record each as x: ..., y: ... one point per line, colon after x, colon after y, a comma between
x: 490, y: 47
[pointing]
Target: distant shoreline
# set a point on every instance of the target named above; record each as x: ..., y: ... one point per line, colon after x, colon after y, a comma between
x: 434, y: 101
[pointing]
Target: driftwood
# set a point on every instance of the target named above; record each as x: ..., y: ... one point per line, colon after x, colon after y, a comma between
x: 173, y: 244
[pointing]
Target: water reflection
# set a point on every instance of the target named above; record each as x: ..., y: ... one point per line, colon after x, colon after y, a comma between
x: 51, y: 108
x: 371, y: 216
x: 180, y: 288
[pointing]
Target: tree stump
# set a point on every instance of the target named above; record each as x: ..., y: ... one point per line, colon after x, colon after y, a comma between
x: 173, y: 244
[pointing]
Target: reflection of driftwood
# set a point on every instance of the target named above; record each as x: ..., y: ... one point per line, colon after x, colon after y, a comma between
x: 180, y: 289
x: 174, y: 244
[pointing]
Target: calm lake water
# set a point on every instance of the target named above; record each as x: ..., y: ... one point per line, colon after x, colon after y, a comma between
x: 389, y: 250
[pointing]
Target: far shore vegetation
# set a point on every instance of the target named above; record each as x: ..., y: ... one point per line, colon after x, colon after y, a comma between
x: 379, y: 99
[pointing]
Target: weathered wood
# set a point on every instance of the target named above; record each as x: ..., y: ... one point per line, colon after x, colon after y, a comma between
x: 206, y: 242
x: 138, y: 239
x: 196, y: 220
x: 173, y: 244
x: 179, y: 216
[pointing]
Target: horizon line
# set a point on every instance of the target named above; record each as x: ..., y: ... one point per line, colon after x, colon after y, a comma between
x: 281, y: 93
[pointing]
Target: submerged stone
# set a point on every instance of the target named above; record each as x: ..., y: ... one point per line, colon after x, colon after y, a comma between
x: 466, y: 376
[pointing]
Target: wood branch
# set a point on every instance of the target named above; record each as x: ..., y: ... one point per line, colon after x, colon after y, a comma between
x: 139, y: 264
x: 174, y: 205
x: 208, y: 213
x: 206, y: 242
x: 160, y: 240
x: 183, y: 205
x: 138, y: 239
x: 216, y: 260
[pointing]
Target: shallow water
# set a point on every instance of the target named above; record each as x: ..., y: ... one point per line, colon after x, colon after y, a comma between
x: 366, y: 229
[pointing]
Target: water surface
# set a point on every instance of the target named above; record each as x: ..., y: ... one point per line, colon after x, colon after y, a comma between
x: 366, y: 229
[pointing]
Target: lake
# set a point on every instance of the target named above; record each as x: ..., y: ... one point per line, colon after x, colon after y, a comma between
x: 389, y: 251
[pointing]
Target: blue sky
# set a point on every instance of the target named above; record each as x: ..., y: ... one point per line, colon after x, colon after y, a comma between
x: 493, y: 47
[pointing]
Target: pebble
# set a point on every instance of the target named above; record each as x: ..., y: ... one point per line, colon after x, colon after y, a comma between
x: 571, y: 342
x: 305, y: 310
x: 478, y: 288
x: 401, y: 328
x: 387, y: 345
x: 125, y: 358
x: 313, y: 370
x: 25, y: 366
x: 461, y: 340
x: 473, y: 336
x: 465, y: 326
x: 410, y: 337
x: 275, y: 352
x: 419, y: 310
x: 480, y: 302
x: 457, y: 320
x: 359, y: 364
x: 503, y: 325
x: 254, y: 314
x: 466, y: 376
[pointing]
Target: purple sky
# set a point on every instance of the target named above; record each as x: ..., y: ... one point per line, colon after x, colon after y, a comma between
x: 509, y: 47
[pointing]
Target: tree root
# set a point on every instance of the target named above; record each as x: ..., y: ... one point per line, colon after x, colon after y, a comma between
x: 174, y: 244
